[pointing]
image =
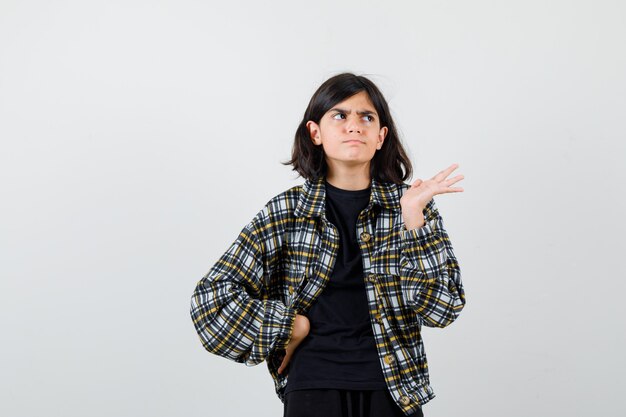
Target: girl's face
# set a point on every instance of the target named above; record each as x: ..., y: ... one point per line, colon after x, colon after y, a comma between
x: 350, y: 132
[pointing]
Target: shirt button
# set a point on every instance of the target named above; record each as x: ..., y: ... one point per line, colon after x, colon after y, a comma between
x: 371, y: 278
x: 365, y: 237
x: 290, y: 289
x: 404, y: 400
x: 379, y: 318
x: 389, y: 359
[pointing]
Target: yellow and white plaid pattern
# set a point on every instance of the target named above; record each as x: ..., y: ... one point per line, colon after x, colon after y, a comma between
x: 244, y: 307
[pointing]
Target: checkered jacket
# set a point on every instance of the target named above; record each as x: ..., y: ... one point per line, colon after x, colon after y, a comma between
x: 244, y: 307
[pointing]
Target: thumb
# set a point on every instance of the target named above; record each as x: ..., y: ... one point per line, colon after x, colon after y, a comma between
x: 284, y: 363
x: 416, y: 183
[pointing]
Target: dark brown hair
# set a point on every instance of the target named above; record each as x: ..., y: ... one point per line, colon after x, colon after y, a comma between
x: 389, y: 164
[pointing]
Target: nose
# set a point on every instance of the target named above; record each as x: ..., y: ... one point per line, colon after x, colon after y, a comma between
x: 353, y: 125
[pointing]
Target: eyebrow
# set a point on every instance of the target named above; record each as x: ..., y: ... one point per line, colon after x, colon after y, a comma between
x: 361, y: 112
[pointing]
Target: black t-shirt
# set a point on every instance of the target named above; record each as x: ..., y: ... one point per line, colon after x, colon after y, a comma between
x: 340, y: 351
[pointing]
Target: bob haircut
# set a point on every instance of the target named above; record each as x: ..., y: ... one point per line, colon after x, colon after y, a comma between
x: 389, y: 164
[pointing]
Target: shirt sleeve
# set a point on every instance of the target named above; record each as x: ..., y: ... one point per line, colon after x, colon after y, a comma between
x: 230, y: 315
x: 430, y: 273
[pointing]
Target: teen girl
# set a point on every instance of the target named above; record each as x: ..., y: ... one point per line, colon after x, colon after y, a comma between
x: 332, y: 280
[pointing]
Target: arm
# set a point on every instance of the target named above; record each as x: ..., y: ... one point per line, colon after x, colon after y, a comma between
x: 430, y: 273
x: 228, y: 312
x: 431, y: 278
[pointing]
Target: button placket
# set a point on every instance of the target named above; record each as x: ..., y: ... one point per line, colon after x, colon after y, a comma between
x: 379, y: 318
x: 379, y: 314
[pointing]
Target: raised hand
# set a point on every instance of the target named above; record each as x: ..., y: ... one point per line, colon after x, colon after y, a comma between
x: 421, y: 192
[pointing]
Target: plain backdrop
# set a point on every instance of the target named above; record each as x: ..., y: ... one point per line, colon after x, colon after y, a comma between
x: 139, y: 137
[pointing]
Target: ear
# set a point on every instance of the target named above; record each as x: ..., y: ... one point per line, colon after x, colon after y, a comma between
x: 314, y: 132
x: 382, y: 134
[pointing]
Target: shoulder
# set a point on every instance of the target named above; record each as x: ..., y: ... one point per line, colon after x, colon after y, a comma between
x: 285, y: 201
x: 279, y: 208
x: 402, y: 187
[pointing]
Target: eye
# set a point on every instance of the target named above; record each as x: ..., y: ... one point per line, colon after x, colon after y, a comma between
x: 369, y: 117
x: 339, y: 114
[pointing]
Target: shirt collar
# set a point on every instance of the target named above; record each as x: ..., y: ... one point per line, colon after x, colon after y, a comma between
x: 312, y: 200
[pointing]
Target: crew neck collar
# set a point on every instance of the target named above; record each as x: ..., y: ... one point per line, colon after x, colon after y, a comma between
x: 312, y: 200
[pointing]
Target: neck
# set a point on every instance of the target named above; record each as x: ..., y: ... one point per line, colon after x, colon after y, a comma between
x: 349, y: 178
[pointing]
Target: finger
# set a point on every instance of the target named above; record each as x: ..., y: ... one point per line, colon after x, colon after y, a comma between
x: 284, y: 363
x: 455, y: 180
x: 416, y: 183
x: 441, y: 175
x: 452, y: 190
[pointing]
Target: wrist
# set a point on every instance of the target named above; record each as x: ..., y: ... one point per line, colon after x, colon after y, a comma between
x: 301, y: 327
x: 413, y: 220
x: 410, y: 225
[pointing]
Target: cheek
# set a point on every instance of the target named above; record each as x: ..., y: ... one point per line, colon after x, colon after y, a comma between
x: 328, y: 131
x: 329, y: 147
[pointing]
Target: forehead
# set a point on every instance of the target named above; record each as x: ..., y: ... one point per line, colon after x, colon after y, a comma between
x: 358, y: 102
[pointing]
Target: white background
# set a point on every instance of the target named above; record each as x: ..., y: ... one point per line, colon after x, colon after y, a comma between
x: 139, y: 137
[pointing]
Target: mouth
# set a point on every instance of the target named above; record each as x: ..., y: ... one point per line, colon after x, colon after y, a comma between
x: 353, y: 141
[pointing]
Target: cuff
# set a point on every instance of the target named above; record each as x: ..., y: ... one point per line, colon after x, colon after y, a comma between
x: 422, y: 253
x: 416, y: 234
x: 286, y: 329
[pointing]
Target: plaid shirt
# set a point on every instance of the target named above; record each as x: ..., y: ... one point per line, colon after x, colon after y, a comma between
x: 244, y: 307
